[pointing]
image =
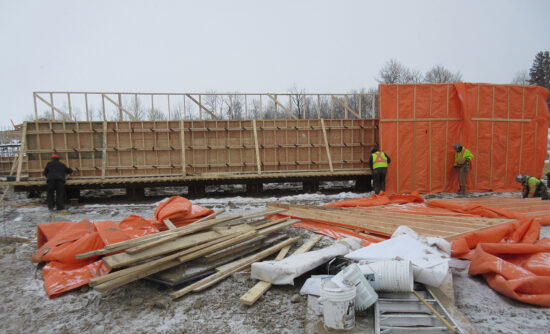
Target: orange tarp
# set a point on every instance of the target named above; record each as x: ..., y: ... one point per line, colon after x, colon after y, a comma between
x: 509, y: 256
x: 60, y: 242
x: 504, y: 126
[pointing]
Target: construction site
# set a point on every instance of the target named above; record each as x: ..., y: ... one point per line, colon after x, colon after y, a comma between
x: 255, y: 213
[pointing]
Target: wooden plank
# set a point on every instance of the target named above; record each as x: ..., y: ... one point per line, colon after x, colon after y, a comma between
x: 104, y: 150
x: 21, y: 152
x: 137, y: 272
x: 120, y: 108
x: 53, y: 107
x: 277, y: 103
x: 238, y: 265
x: 256, y: 144
x: 327, y: 147
x: 201, y: 107
x: 169, y: 224
x: 150, y: 238
x: 194, y: 240
x: 252, y: 295
x: 345, y: 105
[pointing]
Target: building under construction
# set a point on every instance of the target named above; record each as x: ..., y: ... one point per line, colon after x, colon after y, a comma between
x: 138, y: 140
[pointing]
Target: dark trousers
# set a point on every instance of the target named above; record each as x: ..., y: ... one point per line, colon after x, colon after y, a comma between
x: 57, y: 188
x: 379, y: 179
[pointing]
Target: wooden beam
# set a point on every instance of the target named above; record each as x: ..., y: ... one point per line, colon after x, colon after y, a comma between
x: 21, y: 152
x: 252, y: 295
x: 327, y: 147
x: 53, y: 107
x: 182, y: 141
x: 132, y: 117
x: 104, y: 151
x: 346, y: 107
x: 256, y: 144
x: 288, y: 111
x: 202, y: 107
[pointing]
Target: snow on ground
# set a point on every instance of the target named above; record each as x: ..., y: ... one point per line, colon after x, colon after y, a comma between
x: 144, y: 307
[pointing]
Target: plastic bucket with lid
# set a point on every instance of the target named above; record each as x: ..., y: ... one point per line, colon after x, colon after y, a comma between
x: 338, y: 305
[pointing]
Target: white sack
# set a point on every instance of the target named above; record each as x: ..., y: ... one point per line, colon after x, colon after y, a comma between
x: 284, y: 271
x: 430, y: 265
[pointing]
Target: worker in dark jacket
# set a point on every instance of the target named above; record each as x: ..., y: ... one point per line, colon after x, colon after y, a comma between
x: 55, y: 172
x: 532, y: 187
x: 378, y: 163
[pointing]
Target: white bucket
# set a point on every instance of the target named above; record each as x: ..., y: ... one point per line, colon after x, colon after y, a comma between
x: 338, y: 305
x: 365, y: 295
x: 389, y: 275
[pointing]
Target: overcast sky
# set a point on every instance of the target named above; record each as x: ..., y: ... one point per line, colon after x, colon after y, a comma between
x: 254, y: 46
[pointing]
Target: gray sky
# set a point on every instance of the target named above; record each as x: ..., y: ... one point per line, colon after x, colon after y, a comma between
x: 254, y: 46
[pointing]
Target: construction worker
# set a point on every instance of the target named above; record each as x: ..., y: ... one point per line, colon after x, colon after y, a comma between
x: 55, y: 172
x: 378, y: 163
x: 463, y: 158
x: 532, y: 187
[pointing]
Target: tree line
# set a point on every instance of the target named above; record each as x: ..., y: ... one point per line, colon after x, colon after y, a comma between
x: 302, y: 105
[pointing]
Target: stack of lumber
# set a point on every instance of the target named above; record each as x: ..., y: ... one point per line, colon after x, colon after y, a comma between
x: 383, y: 223
x: 211, y: 242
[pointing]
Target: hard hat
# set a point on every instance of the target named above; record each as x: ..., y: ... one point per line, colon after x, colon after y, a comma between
x: 55, y: 156
x: 374, y: 150
x: 520, y: 178
x: 457, y: 146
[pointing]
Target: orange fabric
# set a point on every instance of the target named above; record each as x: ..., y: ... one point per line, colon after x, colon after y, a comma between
x: 508, y: 255
x: 376, y: 200
x: 518, y: 271
x: 177, y: 211
x: 444, y: 114
x: 60, y: 277
x: 60, y: 242
x: 176, y: 207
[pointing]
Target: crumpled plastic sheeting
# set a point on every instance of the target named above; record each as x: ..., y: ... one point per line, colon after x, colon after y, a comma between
x: 284, y: 271
x: 60, y: 277
x: 430, y: 264
x: 509, y: 256
x: 519, y: 271
x: 381, y: 199
x: 180, y: 211
x: 60, y: 242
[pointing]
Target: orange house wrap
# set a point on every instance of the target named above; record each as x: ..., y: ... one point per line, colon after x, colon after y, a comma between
x: 504, y: 126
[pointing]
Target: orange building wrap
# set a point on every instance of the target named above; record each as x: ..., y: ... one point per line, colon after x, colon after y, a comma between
x: 504, y: 126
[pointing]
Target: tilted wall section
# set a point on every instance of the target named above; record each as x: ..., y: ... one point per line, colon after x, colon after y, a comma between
x: 154, y: 148
x: 504, y: 126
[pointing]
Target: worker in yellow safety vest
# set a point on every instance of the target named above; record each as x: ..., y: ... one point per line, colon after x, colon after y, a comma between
x: 379, y: 165
x: 463, y: 158
x: 532, y: 187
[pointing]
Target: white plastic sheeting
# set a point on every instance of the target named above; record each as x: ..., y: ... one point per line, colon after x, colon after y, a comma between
x: 430, y: 264
x: 284, y: 271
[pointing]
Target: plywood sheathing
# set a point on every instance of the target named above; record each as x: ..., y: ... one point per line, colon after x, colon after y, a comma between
x: 385, y: 223
x: 179, y: 148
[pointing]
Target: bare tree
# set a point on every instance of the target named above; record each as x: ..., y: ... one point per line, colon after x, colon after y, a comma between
x: 393, y: 72
x: 521, y: 78
x: 298, y: 101
x: 439, y: 74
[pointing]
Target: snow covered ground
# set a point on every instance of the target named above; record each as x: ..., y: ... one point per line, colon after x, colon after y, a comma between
x: 144, y: 307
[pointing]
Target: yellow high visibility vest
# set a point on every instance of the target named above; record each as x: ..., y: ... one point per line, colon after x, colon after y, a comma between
x: 379, y: 159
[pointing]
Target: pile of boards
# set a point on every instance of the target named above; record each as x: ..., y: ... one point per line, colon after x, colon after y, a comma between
x: 374, y: 224
x: 211, y: 248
